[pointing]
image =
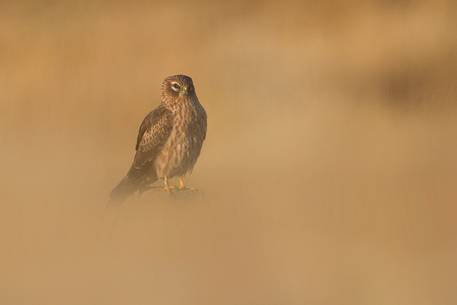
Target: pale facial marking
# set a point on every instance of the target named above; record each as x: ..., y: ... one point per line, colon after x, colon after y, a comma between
x: 175, y: 86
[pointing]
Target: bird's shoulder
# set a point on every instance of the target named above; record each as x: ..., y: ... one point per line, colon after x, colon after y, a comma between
x: 155, y: 128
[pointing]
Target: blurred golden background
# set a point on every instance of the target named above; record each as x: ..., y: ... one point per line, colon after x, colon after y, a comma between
x: 328, y: 175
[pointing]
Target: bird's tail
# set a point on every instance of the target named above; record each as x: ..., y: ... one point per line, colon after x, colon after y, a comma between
x: 124, y: 189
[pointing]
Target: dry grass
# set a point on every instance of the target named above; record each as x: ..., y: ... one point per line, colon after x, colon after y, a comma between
x: 328, y: 176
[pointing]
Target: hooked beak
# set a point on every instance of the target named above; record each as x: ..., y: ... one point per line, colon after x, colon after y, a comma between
x: 183, y: 90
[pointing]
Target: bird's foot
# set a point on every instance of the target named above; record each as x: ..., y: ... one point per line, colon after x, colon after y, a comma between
x: 169, y: 189
x: 182, y: 187
x: 178, y: 189
x: 187, y: 189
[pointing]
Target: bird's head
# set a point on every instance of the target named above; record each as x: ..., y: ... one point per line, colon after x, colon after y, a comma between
x: 177, y: 86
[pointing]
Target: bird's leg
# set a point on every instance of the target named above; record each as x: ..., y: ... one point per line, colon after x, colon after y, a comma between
x: 166, y: 186
x: 183, y: 187
x: 181, y: 183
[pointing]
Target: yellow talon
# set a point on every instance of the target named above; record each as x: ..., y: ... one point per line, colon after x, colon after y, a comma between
x: 166, y: 186
x: 183, y: 187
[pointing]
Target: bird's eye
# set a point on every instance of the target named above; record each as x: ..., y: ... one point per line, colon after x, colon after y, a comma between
x: 175, y: 87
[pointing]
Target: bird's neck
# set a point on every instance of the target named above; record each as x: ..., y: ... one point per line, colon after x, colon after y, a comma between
x: 180, y: 103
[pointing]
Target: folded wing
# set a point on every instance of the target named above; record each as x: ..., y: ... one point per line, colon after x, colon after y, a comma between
x: 153, y: 134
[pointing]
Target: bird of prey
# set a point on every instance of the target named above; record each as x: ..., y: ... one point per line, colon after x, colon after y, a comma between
x: 169, y: 140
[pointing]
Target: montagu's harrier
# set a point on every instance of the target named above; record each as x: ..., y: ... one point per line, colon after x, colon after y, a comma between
x: 169, y: 140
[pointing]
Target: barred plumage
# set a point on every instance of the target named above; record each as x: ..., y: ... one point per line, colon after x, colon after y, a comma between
x: 169, y: 140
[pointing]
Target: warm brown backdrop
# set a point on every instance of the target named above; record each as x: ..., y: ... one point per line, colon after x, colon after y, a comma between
x: 328, y: 177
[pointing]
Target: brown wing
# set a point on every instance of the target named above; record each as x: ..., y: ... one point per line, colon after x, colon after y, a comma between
x: 152, y: 135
